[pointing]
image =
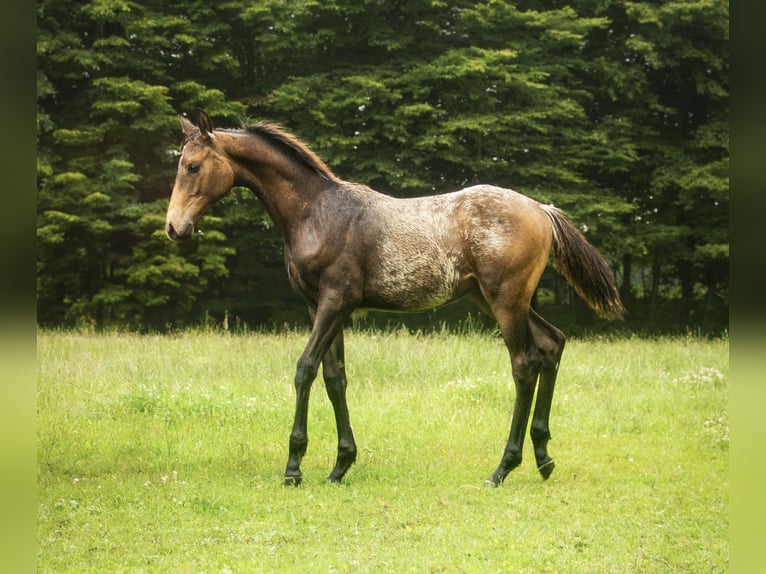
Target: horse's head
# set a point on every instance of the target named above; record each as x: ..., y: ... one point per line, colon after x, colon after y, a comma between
x: 204, y: 176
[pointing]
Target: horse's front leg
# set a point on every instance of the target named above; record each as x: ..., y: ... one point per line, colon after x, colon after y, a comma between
x: 328, y: 319
x: 334, y: 371
x: 299, y: 440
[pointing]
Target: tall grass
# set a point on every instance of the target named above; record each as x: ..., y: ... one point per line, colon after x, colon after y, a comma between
x: 166, y: 453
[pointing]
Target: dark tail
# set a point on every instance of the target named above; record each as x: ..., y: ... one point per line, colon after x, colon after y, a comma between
x: 583, y: 266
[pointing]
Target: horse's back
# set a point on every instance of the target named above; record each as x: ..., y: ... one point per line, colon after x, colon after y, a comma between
x: 494, y: 216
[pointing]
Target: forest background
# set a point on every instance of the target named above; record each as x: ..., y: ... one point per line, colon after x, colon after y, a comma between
x: 615, y: 111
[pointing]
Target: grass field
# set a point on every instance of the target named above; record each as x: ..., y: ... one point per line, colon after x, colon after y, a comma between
x: 167, y: 453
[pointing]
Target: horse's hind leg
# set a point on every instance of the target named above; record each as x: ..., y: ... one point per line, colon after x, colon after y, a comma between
x: 550, y: 343
x: 525, y: 364
x: 334, y: 372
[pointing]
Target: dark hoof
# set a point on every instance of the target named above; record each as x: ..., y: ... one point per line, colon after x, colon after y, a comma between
x: 293, y: 480
x: 334, y: 479
x: 546, y: 469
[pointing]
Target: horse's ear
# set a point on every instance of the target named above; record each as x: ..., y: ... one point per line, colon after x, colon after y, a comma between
x: 186, y: 126
x: 205, y: 124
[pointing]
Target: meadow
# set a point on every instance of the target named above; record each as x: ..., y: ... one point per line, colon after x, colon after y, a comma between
x: 166, y: 453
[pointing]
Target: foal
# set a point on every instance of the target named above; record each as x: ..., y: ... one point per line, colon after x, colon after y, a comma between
x: 347, y: 247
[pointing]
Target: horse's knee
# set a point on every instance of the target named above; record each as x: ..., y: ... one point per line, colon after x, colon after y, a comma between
x: 305, y: 372
x: 525, y: 368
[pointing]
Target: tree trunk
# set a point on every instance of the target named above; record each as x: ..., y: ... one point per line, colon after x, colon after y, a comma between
x: 654, y: 291
x: 625, y: 292
x: 686, y: 279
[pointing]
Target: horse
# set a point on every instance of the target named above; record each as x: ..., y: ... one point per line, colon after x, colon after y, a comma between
x: 349, y: 248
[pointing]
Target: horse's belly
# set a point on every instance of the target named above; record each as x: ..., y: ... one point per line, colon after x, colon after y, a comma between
x: 414, y: 280
x: 415, y: 257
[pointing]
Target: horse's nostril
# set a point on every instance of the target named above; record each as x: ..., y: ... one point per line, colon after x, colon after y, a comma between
x: 171, y: 232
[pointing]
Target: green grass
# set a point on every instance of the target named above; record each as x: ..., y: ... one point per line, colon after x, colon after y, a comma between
x: 166, y: 454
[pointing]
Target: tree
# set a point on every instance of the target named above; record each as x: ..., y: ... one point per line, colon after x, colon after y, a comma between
x: 105, y: 123
x: 614, y: 110
x: 682, y: 47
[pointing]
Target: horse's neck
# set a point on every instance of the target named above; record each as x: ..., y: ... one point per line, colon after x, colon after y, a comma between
x: 286, y: 189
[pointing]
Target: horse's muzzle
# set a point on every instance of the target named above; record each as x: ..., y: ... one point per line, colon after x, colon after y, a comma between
x: 180, y: 234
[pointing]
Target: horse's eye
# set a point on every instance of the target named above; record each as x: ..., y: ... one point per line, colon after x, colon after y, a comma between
x: 193, y: 168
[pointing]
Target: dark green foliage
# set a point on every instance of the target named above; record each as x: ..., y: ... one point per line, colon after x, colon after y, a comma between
x: 615, y: 111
